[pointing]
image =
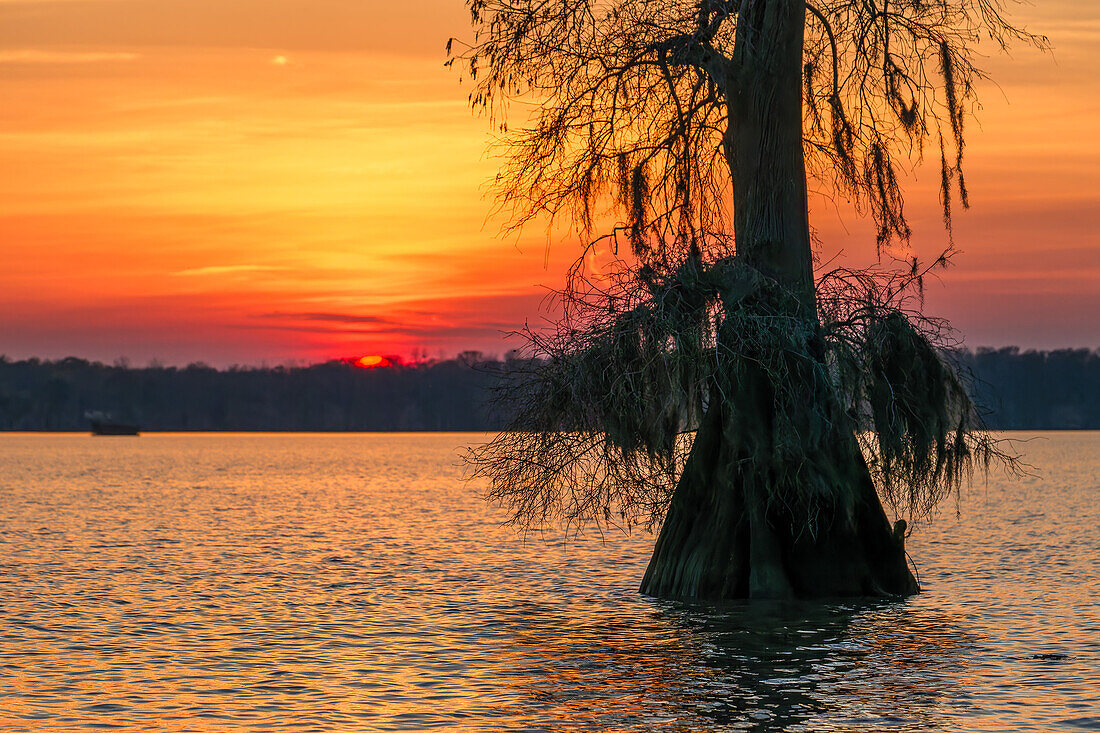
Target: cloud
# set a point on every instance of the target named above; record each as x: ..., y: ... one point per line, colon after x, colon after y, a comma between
x: 38, y: 56
x: 327, y: 317
x: 436, y: 333
x: 227, y: 270
x: 354, y: 324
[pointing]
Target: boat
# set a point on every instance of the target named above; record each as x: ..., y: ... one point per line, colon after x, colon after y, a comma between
x: 102, y: 424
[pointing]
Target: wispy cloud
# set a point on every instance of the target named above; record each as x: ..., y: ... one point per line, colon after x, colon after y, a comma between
x: 227, y: 270
x: 354, y: 324
x: 38, y: 56
x: 327, y: 317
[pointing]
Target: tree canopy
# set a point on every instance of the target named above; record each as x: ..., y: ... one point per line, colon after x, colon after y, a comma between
x: 628, y: 132
x: 630, y: 104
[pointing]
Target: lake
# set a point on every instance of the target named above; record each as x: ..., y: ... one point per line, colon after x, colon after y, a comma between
x: 209, y: 582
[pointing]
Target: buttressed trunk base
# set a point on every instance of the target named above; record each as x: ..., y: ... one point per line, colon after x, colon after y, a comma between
x: 723, y: 538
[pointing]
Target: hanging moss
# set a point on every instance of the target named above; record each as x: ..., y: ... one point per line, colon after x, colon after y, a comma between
x: 607, y: 412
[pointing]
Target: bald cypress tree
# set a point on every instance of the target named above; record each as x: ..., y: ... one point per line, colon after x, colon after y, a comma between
x: 710, y: 380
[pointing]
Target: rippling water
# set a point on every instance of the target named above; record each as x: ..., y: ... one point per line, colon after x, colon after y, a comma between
x: 353, y: 582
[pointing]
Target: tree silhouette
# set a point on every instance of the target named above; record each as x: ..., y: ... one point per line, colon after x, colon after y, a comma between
x: 711, y: 379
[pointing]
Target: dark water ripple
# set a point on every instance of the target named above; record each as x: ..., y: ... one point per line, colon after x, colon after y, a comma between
x: 336, y: 582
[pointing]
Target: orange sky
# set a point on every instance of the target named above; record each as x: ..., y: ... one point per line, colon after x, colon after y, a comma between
x: 277, y: 180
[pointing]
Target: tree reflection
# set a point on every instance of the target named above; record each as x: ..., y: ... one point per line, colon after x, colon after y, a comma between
x: 750, y: 666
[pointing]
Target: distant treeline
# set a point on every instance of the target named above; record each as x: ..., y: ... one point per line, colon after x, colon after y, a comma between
x: 57, y: 395
x: 1037, y: 390
x: 1030, y: 390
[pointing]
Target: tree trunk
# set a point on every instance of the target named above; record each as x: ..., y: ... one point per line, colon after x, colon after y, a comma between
x: 763, y: 144
x: 727, y: 533
x: 724, y: 538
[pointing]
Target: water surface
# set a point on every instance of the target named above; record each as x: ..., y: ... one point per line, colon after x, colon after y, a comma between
x: 353, y: 582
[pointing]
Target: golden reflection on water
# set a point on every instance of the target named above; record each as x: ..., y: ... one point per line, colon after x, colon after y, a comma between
x: 344, y: 582
x: 751, y: 665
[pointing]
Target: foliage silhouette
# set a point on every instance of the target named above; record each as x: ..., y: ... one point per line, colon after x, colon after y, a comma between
x: 710, y: 379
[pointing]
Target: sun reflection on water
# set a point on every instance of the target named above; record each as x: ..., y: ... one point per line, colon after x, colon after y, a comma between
x: 343, y: 582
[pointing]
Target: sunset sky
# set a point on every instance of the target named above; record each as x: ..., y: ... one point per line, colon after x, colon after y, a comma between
x: 240, y: 181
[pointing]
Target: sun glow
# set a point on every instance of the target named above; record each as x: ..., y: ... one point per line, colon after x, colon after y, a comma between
x: 370, y: 362
x: 306, y: 184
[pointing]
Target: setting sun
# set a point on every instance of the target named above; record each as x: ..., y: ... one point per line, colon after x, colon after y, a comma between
x: 369, y: 362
